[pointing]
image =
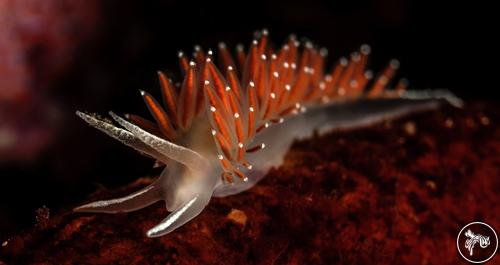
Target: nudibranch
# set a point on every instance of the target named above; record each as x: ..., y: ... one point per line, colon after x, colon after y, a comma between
x: 221, y: 130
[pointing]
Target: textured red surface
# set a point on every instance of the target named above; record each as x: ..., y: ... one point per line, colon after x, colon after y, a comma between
x: 394, y: 193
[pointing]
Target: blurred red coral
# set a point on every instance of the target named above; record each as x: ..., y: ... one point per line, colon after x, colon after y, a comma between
x: 37, y: 42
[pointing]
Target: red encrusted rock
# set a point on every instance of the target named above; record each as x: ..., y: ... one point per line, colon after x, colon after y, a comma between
x: 393, y: 193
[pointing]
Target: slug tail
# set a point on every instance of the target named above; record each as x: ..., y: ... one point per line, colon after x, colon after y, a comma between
x: 434, y: 94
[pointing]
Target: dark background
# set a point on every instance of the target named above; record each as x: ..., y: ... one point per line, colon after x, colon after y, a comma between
x: 440, y: 45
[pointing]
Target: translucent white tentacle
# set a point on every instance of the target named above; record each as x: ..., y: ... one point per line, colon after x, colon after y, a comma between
x: 122, y: 135
x: 132, y: 202
x: 186, y: 193
x: 181, y: 154
x: 180, y: 216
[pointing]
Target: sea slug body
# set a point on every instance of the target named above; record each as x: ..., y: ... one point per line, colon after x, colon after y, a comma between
x: 225, y: 126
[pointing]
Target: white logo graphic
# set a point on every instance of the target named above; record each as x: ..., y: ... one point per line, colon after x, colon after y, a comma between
x: 477, y: 242
x: 484, y: 241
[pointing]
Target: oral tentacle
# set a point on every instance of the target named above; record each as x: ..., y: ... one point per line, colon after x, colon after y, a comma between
x: 137, y: 200
x: 186, y: 193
